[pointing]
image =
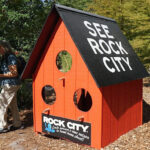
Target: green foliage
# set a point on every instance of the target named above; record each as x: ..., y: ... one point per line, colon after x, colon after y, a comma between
x: 24, y: 95
x: 133, y: 17
x: 64, y: 61
x: 21, y: 22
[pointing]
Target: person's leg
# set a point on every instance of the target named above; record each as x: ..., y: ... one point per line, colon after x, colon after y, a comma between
x: 15, y: 112
x: 8, y: 94
x: 3, y: 109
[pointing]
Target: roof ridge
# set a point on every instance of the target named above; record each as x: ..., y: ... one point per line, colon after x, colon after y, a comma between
x: 57, y: 6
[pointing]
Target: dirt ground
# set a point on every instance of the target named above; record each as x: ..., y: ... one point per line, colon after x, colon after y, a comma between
x: 26, y: 139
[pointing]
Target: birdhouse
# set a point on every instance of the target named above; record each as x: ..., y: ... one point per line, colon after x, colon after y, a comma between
x: 87, y: 80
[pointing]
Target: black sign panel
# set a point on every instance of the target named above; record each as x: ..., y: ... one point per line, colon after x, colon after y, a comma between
x: 75, y: 131
x: 105, y: 50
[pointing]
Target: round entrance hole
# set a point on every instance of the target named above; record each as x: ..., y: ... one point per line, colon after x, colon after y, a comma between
x: 64, y: 61
x: 48, y: 94
x: 83, y: 100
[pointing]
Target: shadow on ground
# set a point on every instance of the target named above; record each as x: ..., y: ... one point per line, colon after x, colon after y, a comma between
x: 27, y: 118
x: 146, y: 84
x: 146, y: 112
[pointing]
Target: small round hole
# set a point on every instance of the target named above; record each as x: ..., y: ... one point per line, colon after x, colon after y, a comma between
x: 48, y: 94
x: 83, y: 100
x: 64, y: 61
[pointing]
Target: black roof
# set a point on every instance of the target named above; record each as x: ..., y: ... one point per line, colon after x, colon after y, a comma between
x: 102, y: 45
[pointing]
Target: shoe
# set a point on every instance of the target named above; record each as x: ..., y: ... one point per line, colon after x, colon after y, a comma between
x: 3, y: 130
x: 12, y: 128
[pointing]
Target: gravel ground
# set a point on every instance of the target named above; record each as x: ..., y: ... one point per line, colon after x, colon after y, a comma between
x: 26, y: 139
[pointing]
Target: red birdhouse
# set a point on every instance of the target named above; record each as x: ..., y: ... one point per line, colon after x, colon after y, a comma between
x: 87, y: 80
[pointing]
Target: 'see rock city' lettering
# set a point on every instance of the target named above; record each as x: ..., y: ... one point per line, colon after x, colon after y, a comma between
x: 118, y: 63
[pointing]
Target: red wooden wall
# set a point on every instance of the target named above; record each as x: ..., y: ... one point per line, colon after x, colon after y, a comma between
x: 121, y: 109
x: 78, y: 77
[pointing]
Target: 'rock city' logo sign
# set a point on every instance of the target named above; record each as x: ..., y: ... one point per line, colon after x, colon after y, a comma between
x: 65, y: 128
